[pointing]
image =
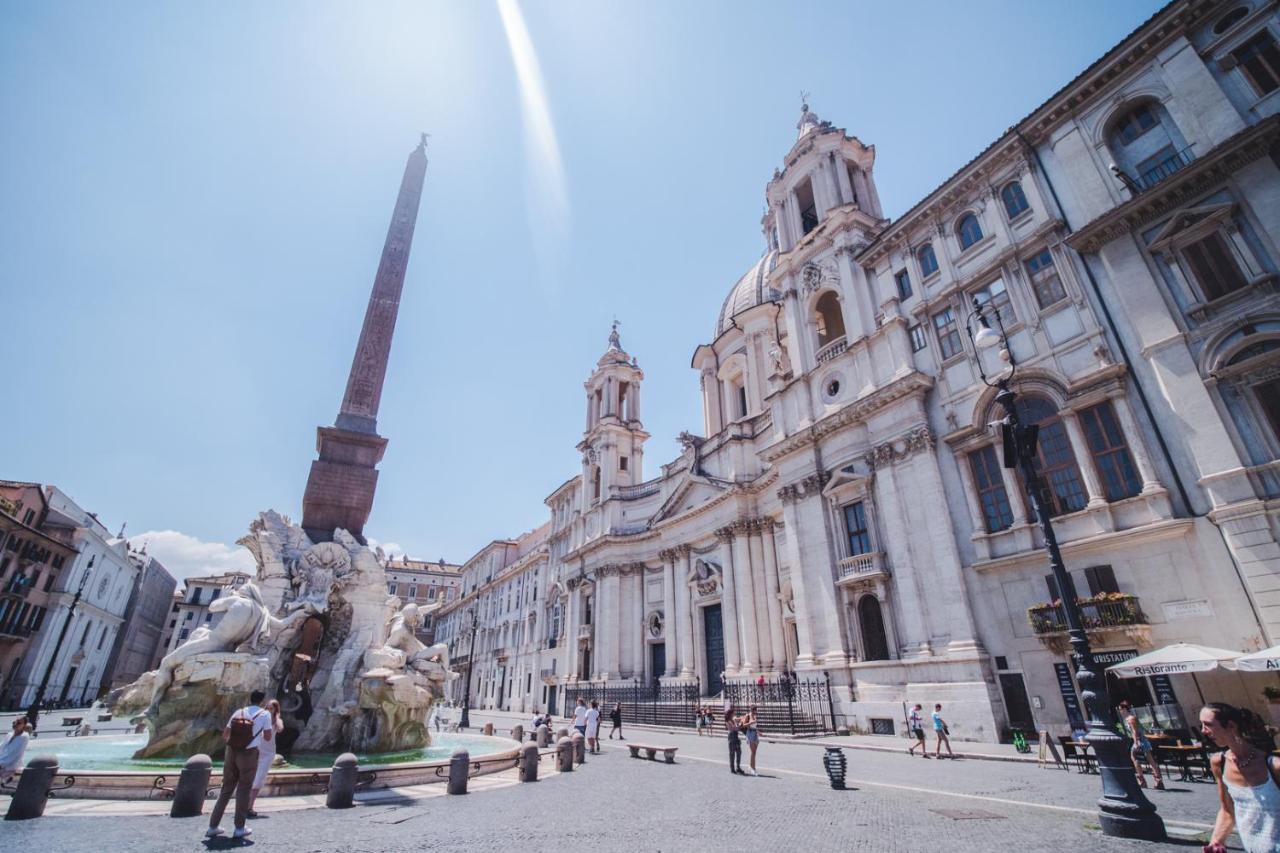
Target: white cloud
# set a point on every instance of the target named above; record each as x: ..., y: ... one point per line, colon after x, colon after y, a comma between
x: 391, y: 549
x: 186, y: 556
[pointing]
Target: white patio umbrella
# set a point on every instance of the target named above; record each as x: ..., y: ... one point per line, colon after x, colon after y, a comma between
x: 1176, y: 659
x: 1267, y: 660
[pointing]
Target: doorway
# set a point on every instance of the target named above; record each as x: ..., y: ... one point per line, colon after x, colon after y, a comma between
x: 1016, y: 706
x: 657, y: 661
x: 713, y: 632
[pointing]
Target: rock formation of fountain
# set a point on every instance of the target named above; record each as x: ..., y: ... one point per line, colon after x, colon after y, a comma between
x: 316, y: 629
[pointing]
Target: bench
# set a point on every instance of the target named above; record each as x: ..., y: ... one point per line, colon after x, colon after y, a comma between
x: 72, y: 721
x: 104, y: 718
x: 651, y: 752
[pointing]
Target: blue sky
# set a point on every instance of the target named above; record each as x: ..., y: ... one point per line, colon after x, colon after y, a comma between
x: 195, y: 195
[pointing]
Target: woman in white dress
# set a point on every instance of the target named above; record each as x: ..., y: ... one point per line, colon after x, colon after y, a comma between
x: 266, y: 753
x: 593, y: 727
x: 1248, y: 777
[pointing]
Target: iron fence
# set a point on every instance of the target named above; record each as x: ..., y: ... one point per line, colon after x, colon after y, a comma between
x: 654, y: 704
x: 786, y: 705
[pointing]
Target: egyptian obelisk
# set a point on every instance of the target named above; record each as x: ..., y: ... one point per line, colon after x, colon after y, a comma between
x: 342, y: 481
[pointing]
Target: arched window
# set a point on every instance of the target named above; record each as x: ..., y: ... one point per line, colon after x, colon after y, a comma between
x: 1014, y: 200
x: 875, y: 645
x: 829, y: 319
x: 968, y: 231
x: 1146, y: 145
x: 928, y: 260
x: 1064, y: 490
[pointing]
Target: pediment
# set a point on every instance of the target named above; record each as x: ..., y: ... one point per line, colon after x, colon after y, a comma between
x: 691, y: 493
x: 1191, y: 219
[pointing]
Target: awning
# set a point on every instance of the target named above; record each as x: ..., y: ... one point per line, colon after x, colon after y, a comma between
x: 1175, y: 659
x: 1267, y: 660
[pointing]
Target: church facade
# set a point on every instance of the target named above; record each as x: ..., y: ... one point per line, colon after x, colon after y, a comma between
x: 845, y: 511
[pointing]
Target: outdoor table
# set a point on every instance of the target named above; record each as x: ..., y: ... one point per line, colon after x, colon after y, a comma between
x: 1185, y: 752
x: 1084, y: 747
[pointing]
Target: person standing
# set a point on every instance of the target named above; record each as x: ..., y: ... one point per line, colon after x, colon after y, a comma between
x: 266, y: 754
x: 615, y: 720
x: 1140, y: 750
x: 751, y: 728
x: 1248, y: 778
x: 699, y: 719
x: 13, y: 749
x: 580, y: 716
x: 735, y: 742
x: 941, y: 732
x: 593, y: 727
x: 915, y: 722
x: 244, y: 733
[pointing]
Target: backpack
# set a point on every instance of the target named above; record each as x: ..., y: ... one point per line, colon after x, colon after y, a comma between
x: 242, y: 730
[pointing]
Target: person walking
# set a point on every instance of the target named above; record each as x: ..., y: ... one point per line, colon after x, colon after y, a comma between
x: 751, y: 728
x: 699, y: 719
x: 1248, y: 777
x: 580, y: 716
x: 735, y: 743
x: 615, y: 720
x: 941, y: 732
x: 13, y: 749
x: 266, y: 754
x: 915, y: 723
x: 244, y: 733
x: 1140, y: 749
x: 593, y: 727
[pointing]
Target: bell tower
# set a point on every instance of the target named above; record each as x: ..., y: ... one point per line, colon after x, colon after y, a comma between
x: 613, y: 444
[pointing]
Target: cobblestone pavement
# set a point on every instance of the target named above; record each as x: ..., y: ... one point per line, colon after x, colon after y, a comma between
x: 693, y: 805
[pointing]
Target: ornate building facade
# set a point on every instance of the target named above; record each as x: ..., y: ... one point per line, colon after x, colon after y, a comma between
x: 845, y: 510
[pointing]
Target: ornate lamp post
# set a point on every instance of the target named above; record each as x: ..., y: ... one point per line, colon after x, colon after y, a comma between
x: 465, y: 722
x: 1124, y: 810
x: 33, y: 712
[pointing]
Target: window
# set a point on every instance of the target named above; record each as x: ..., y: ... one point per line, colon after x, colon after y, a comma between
x: 996, y: 296
x: 1229, y: 20
x: 1110, y: 452
x: 918, y: 341
x: 1015, y: 201
x: 1213, y: 266
x: 48, y: 581
x: 173, y: 623
x: 391, y: 588
x: 1101, y: 579
x: 808, y: 209
x: 208, y: 617
x: 969, y: 231
x: 183, y: 634
x: 740, y: 399
x: 1259, y: 59
x: 853, y: 181
x: 903, y: 280
x: 413, y: 592
x: 1135, y: 123
x: 829, y: 320
x: 1055, y: 462
x: 944, y: 323
x: 216, y: 593
x: 622, y: 463
x: 855, y: 523
x: 189, y: 614
x: 1045, y: 281
x: 195, y: 595
x: 928, y: 260
x: 992, y: 497
x: 1268, y: 397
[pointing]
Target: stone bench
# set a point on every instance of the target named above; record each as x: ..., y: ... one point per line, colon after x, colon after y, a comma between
x: 651, y: 752
x: 72, y: 721
x: 104, y: 718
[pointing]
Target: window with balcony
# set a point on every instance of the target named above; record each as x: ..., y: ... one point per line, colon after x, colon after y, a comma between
x: 968, y: 231
x: 1064, y: 489
x: 928, y: 260
x: 1259, y: 60
x: 1111, y: 456
x: 1045, y: 281
x: 807, y: 207
x: 1146, y: 146
x: 1015, y: 201
x: 944, y: 323
x: 1133, y: 124
x: 855, y: 524
x: 997, y: 514
x: 903, y: 280
x: 828, y: 319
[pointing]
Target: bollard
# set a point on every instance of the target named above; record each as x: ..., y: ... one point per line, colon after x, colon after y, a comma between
x: 529, y: 763
x: 342, y: 782
x: 460, y: 770
x: 488, y: 729
x: 517, y: 733
x: 564, y: 755
x: 579, y: 748
x: 561, y: 733
x: 543, y: 736
x: 33, y: 788
x: 193, y: 785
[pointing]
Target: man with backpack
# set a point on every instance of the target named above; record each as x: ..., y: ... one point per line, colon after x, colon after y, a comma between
x: 245, y: 731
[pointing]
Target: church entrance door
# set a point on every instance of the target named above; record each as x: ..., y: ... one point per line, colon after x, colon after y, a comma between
x: 713, y: 632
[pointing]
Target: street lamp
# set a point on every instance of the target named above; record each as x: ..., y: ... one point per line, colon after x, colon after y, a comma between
x: 1124, y: 811
x: 465, y: 722
x: 33, y: 712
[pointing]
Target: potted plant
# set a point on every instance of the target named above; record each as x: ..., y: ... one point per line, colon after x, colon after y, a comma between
x: 1272, y: 693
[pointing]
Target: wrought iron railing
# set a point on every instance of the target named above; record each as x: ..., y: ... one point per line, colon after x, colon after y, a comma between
x: 799, y: 706
x: 1117, y: 610
x: 1162, y: 170
x: 831, y: 350
x: 652, y: 704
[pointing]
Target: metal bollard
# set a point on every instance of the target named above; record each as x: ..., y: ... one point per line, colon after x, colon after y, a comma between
x: 517, y: 733
x: 529, y: 763
x: 193, y: 784
x: 564, y: 755
x: 543, y: 736
x: 579, y: 748
x: 342, y: 782
x: 459, y: 771
x: 488, y: 729
x: 33, y: 788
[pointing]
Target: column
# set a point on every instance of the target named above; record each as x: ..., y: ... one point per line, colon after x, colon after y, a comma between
x: 746, y: 598
x: 812, y: 559
x: 800, y: 600
x: 685, y: 611
x: 728, y: 603
x: 793, y: 218
x: 784, y: 233
x: 671, y: 613
x: 1137, y: 447
x: 842, y: 177
x: 638, y: 629
x: 837, y: 197
x: 971, y: 493
x: 1084, y: 460
x: 776, y: 642
x: 571, y: 631
x: 1018, y: 503
x: 761, y: 596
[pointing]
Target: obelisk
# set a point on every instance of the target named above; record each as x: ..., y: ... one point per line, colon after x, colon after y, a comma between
x: 341, y: 485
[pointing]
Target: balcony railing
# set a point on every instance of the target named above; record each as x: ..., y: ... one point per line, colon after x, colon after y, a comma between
x: 862, y: 567
x: 640, y: 490
x: 1104, y: 612
x: 547, y: 674
x: 1164, y: 169
x: 832, y: 349
x: 584, y: 632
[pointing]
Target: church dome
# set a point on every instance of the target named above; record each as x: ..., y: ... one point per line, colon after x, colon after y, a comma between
x: 750, y: 291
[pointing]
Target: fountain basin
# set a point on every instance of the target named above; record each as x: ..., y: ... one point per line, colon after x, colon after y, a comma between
x: 101, y: 767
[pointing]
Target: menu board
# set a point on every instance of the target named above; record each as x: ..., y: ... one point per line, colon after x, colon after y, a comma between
x: 1069, y: 698
x: 1163, y: 688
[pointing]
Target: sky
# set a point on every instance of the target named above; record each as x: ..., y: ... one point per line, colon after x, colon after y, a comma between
x: 195, y: 197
